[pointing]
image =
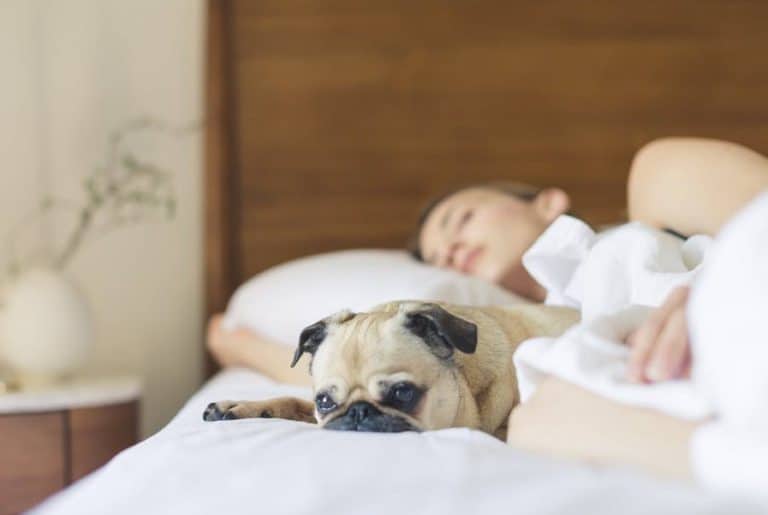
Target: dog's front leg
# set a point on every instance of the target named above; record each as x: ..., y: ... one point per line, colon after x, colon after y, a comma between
x: 290, y: 408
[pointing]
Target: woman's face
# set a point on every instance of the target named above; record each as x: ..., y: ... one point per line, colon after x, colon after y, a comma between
x: 484, y: 232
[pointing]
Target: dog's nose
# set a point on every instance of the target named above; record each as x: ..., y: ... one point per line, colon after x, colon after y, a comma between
x: 361, y: 410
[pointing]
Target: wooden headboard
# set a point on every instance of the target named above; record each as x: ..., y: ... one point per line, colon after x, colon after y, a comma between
x: 330, y: 123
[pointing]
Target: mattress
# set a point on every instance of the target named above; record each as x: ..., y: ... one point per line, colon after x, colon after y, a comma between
x: 274, y: 466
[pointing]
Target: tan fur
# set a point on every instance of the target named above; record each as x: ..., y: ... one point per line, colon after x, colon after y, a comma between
x: 363, y: 354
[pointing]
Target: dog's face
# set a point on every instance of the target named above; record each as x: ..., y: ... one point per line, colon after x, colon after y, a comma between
x: 390, y: 370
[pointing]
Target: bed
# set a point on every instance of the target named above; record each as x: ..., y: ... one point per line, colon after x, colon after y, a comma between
x: 329, y: 124
x: 253, y: 466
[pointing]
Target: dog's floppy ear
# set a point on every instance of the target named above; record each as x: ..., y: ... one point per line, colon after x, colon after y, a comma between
x: 310, y: 339
x: 441, y: 330
x: 312, y: 336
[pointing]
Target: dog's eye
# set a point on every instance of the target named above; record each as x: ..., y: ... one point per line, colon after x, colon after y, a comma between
x: 324, y: 403
x: 403, y: 393
x: 403, y: 396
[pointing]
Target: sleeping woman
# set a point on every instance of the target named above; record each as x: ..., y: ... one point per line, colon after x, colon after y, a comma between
x: 687, y: 186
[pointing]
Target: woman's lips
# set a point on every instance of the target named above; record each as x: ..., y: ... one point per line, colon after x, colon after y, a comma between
x: 469, y: 262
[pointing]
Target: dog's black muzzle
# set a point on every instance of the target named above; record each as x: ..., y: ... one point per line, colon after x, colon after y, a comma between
x: 364, y: 416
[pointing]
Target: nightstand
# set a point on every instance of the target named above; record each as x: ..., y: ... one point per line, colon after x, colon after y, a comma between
x: 52, y: 436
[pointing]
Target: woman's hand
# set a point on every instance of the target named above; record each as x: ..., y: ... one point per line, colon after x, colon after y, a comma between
x: 660, y: 348
x: 226, y: 346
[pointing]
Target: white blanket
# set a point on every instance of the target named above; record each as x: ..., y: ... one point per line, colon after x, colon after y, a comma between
x: 613, y: 278
x: 276, y: 466
x: 727, y: 316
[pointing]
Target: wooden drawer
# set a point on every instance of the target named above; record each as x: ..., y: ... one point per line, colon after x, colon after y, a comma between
x: 97, y: 434
x: 32, y: 459
x: 42, y: 453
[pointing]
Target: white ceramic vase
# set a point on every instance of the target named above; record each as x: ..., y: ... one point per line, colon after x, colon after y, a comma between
x: 46, y: 329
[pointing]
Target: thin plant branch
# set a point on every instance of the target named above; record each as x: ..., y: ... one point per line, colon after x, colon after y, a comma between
x: 123, y: 190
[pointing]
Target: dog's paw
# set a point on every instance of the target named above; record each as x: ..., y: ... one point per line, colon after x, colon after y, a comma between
x: 230, y: 410
x: 220, y: 411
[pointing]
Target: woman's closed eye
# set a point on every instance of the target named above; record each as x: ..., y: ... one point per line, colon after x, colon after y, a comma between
x: 466, y: 217
x: 444, y: 258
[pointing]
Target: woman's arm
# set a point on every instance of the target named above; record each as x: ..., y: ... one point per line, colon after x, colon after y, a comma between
x: 693, y: 185
x: 566, y: 421
x: 243, y: 348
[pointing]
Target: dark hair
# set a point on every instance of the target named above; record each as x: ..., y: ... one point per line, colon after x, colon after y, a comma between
x: 524, y: 192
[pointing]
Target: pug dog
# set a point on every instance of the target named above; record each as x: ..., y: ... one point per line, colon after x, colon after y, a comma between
x: 410, y: 366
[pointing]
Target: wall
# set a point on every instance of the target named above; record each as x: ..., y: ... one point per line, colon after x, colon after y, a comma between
x: 74, y: 71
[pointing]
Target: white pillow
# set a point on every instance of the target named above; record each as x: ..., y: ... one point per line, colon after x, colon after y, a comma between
x: 281, y: 301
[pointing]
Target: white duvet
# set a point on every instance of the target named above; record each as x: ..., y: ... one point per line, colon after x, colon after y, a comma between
x: 614, y: 278
x: 275, y: 466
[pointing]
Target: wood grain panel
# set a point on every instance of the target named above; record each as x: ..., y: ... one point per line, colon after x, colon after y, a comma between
x: 32, y: 464
x: 334, y: 121
x: 351, y: 114
x: 220, y: 215
x: 97, y: 434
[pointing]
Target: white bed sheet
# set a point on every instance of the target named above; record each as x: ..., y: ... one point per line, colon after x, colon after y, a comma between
x: 274, y: 466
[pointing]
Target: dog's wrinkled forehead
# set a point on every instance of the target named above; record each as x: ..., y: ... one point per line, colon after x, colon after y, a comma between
x: 361, y: 329
x: 441, y: 331
x: 389, y: 321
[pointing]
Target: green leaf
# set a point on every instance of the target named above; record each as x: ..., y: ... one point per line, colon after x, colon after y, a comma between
x: 170, y: 206
x: 47, y: 203
x: 130, y: 162
x: 93, y: 191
